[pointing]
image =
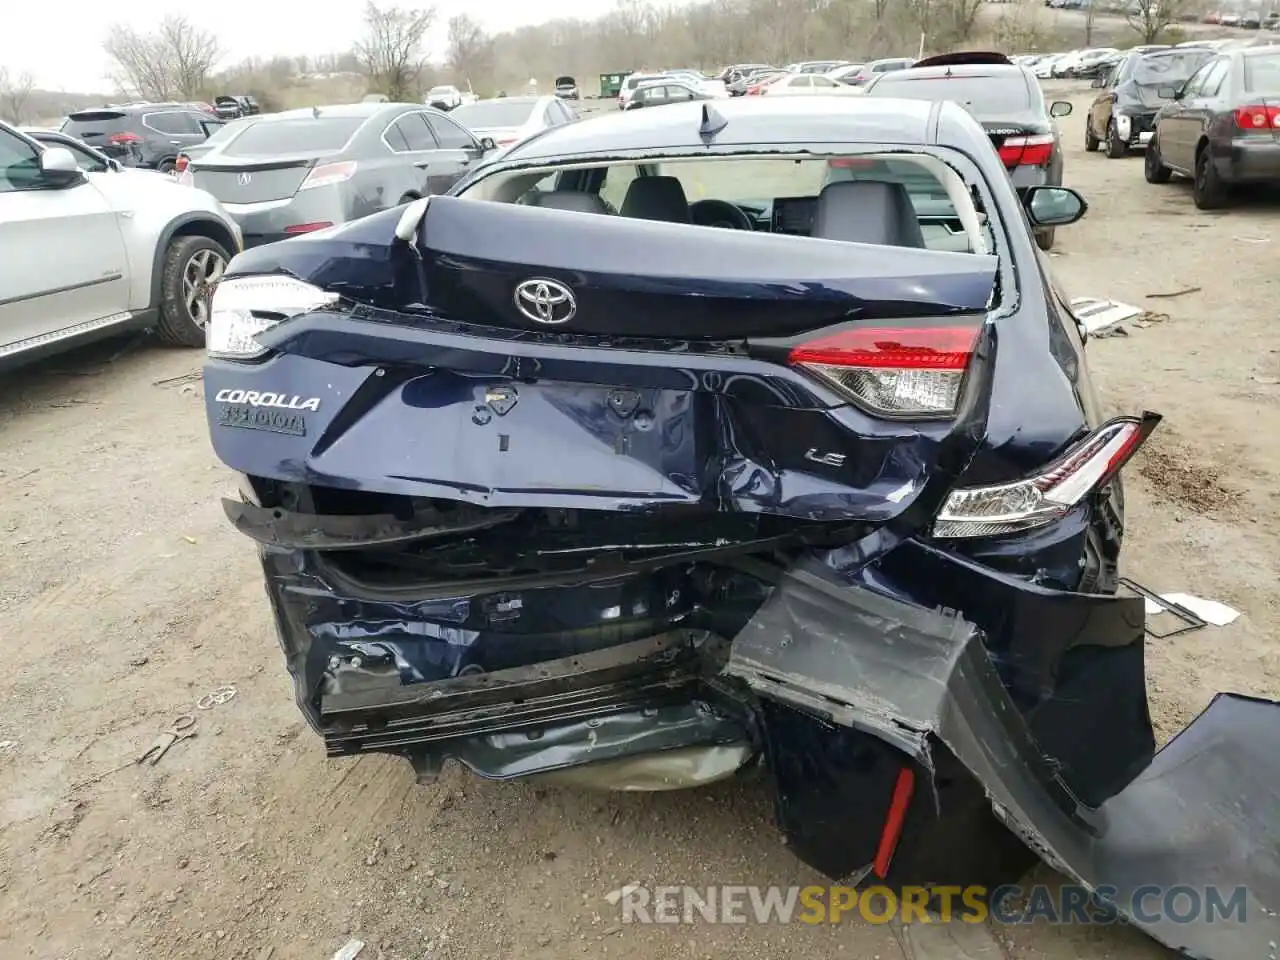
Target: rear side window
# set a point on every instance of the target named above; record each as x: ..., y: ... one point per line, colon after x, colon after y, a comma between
x: 450, y: 135
x: 985, y: 95
x: 173, y: 122
x: 274, y: 138
x: 1262, y: 73
x: 98, y: 124
x: 1213, y: 79
x: 411, y: 133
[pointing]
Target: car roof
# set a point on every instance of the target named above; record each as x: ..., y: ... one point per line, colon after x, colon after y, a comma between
x: 749, y: 121
x: 349, y: 110
x: 961, y: 70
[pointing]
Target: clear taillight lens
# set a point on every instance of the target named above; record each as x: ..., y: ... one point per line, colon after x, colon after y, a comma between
x: 900, y: 372
x: 990, y: 511
x: 244, y: 307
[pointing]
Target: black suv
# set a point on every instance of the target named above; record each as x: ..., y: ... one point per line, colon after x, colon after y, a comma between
x: 147, y: 135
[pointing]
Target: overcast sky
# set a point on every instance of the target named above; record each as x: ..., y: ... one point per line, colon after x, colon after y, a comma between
x: 61, y: 45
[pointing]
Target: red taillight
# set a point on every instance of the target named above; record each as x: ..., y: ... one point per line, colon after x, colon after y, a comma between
x: 895, y: 371
x: 124, y: 138
x: 1032, y: 151
x: 325, y: 174
x: 1258, y: 116
x: 180, y: 164
x: 308, y: 227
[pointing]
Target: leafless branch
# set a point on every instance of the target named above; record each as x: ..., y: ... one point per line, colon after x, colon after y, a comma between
x: 470, y: 49
x: 15, y: 96
x: 391, y: 50
x: 1150, y: 18
x: 172, y: 63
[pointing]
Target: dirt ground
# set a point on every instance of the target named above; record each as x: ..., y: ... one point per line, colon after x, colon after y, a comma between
x: 125, y: 597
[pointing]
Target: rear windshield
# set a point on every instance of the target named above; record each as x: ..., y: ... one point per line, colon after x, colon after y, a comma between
x: 780, y: 194
x: 226, y: 132
x: 100, y: 121
x: 1262, y: 73
x: 271, y: 138
x: 635, y: 80
x: 565, y: 82
x: 440, y: 92
x: 494, y: 113
x: 986, y: 95
x: 1168, y: 69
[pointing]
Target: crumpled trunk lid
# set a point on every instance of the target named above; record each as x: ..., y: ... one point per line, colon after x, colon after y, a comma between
x: 648, y: 279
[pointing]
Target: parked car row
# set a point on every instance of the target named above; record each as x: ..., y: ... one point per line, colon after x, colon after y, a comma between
x: 139, y: 249
x: 1220, y: 127
x: 1246, y: 20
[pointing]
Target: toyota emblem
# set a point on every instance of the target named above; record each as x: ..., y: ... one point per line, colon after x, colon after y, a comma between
x: 244, y: 179
x: 545, y: 301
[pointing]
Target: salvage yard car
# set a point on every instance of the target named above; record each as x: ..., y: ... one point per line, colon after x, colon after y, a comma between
x: 1222, y: 127
x: 298, y: 171
x: 806, y: 475
x: 89, y: 249
x: 1123, y: 114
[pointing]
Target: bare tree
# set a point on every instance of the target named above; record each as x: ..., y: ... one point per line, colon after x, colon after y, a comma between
x: 1023, y: 28
x: 470, y: 49
x: 391, y: 51
x: 1090, y: 15
x: 943, y: 22
x: 1150, y: 18
x: 15, y: 96
x: 172, y: 63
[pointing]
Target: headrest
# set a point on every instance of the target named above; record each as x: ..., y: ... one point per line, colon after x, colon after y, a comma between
x: 867, y: 211
x: 656, y: 198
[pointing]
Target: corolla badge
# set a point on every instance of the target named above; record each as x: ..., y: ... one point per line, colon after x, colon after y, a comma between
x: 244, y: 179
x: 545, y: 301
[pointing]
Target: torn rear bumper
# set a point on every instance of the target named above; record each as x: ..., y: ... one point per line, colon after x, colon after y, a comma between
x: 1205, y: 814
x: 1019, y: 726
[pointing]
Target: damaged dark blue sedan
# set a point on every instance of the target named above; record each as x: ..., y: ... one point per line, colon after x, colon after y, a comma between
x: 746, y: 435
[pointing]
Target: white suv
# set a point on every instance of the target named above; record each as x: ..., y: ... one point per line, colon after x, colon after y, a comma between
x: 90, y: 250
